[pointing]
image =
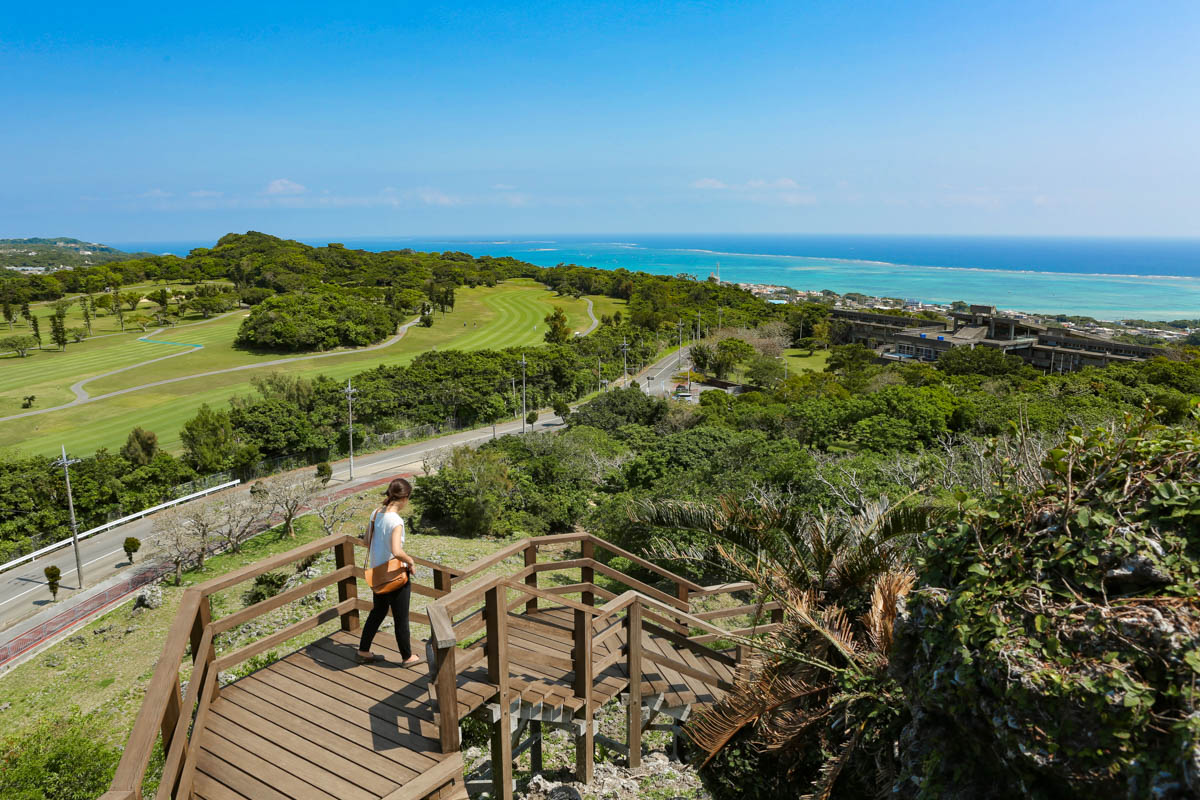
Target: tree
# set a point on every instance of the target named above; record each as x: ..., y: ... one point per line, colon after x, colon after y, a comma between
x: 978, y: 361
x: 849, y: 359
x: 132, y: 545
x: 142, y: 321
x: 53, y: 576
x: 532, y: 417
x: 21, y: 345
x: 208, y: 440
x: 491, y: 411
x: 131, y: 299
x: 239, y: 519
x: 116, y: 304
x: 334, y: 514
x: 37, y: 330
x: 558, y: 331
x: 324, y: 473
x: 289, y: 495
x: 58, y: 333
x: 174, y: 540
x: 765, y: 371
x: 78, y: 335
x: 27, y: 401
x: 730, y: 353
x: 562, y: 409
x: 703, y: 357
x: 140, y: 447
x: 205, y: 520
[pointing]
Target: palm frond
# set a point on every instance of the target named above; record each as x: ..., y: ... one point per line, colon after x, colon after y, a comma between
x: 885, y: 598
x: 823, y: 787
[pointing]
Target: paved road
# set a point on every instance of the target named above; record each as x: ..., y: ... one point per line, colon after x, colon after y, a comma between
x: 23, y: 589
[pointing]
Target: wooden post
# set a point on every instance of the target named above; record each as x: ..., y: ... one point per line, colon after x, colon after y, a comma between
x: 535, y: 750
x: 343, y: 555
x: 633, y: 622
x: 777, y: 614
x: 442, y: 580
x: 445, y: 680
x: 587, y: 574
x: 584, y: 754
x: 171, y: 715
x: 496, y: 616
x: 681, y: 591
x: 531, y: 580
x: 202, y: 620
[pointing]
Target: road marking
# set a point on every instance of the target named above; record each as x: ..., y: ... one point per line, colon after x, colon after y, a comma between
x: 43, y: 583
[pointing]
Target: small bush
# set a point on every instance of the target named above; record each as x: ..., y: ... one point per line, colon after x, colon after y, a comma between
x: 265, y: 586
x: 324, y: 472
x: 53, y: 576
x: 132, y: 545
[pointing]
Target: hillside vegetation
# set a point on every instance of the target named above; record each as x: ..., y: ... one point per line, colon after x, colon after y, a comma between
x: 58, y: 252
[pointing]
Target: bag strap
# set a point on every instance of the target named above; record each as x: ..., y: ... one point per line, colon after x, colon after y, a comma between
x: 369, y: 537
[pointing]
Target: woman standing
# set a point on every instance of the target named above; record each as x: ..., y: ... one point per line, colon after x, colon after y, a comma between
x: 385, y: 542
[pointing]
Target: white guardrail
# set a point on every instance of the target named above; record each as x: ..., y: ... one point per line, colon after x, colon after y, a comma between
x: 116, y: 523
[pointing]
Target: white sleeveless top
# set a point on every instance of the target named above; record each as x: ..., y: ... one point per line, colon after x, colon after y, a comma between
x: 381, y: 537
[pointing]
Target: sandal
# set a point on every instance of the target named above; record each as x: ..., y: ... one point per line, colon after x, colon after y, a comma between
x: 412, y: 661
x: 360, y: 658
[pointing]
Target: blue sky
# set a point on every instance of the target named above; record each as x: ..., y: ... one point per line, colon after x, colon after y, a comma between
x: 146, y: 122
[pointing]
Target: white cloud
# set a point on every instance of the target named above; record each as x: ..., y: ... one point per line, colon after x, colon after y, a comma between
x: 204, y: 193
x: 797, y: 199
x: 157, y: 194
x: 503, y: 187
x: 433, y: 197
x: 284, y: 186
x: 708, y: 183
x: 778, y: 183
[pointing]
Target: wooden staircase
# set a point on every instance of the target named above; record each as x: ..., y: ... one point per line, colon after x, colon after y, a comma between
x: 316, y: 723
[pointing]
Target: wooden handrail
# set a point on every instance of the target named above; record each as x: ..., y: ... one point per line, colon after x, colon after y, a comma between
x: 140, y: 745
x: 180, y: 743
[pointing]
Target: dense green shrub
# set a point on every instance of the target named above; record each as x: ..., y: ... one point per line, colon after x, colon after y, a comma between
x: 265, y: 587
x: 318, y: 321
x: 62, y: 759
x: 1053, y: 648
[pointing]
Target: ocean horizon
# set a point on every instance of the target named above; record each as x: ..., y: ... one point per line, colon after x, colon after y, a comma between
x: 1105, y: 278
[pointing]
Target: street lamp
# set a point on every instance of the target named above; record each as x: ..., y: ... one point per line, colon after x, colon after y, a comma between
x: 66, y: 463
x: 350, y: 391
x: 523, y: 362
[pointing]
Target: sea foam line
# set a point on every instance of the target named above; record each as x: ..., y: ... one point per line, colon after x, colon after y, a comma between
x: 930, y: 266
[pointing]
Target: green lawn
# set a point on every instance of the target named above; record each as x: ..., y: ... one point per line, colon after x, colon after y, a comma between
x: 801, y: 361
x: 510, y: 314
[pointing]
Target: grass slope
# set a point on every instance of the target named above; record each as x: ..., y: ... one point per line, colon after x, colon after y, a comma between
x: 510, y: 314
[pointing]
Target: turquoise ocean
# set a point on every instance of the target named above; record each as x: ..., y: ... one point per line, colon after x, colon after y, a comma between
x: 1106, y: 278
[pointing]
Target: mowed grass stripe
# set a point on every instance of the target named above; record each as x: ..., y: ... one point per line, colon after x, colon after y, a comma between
x: 506, y: 314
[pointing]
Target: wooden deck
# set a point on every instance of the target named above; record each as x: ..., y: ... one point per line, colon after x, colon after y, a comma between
x: 317, y: 724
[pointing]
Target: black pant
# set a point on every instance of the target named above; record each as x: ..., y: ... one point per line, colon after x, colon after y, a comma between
x: 397, y: 601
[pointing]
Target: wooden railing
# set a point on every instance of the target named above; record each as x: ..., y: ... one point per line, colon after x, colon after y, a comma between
x: 177, y: 718
x: 641, y: 608
x: 480, y: 604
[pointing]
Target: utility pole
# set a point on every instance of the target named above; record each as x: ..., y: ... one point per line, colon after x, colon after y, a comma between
x: 350, y: 391
x: 66, y: 463
x: 625, y: 358
x: 679, y: 354
x: 523, y: 362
